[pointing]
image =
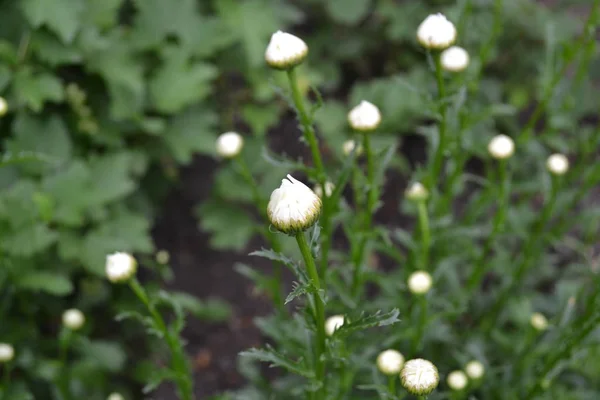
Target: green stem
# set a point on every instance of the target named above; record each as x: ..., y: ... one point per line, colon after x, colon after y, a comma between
x: 319, y: 312
x: 179, y: 364
x: 426, y: 236
x: 63, y: 380
x: 417, y: 342
x: 392, y: 385
x: 442, y: 142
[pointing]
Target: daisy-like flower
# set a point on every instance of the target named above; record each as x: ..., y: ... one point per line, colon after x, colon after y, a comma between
x: 73, y: 319
x: 436, y: 32
x: 7, y: 352
x: 454, y: 59
x: 419, y: 282
x: 501, y: 147
x: 474, y: 369
x: 539, y: 321
x: 120, y: 267
x: 390, y: 362
x: 349, y: 146
x: 457, y: 380
x: 293, y: 207
x: 365, y: 117
x: 419, y: 377
x: 285, y: 51
x: 229, y: 144
x: 557, y: 164
x: 333, y: 323
x: 416, y: 192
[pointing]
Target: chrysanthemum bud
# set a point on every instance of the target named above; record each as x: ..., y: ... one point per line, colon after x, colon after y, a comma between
x: 416, y: 192
x: 436, y: 32
x: 390, y: 362
x: 474, y: 369
x: 419, y: 282
x: 349, y: 146
x: 365, y: 117
x: 229, y: 144
x: 293, y: 207
x: 457, y: 380
x: 501, y: 147
x: 73, y: 319
x: 329, y: 188
x: 539, y: 321
x: 120, y: 267
x: 7, y: 352
x: 419, y: 377
x: 333, y: 323
x: 285, y: 51
x: 3, y: 106
x: 163, y: 257
x: 115, y: 396
x: 557, y: 164
x: 454, y: 59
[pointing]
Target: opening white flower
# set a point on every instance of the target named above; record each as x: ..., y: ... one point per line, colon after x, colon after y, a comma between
x: 3, y: 106
x: 285, y: 51
x: 539, y: 321
x: 419, y: 377
x: 333, y: 323
x: 73, y: 319
x: 229, y: 144
x: 416, y: 192
x: 474, y: 369
x: 7, y: 352
x: 349, y: 146
x: 436, y: 32
x: 454, y: 59
x: 120, y: 267
x: 293, y: 207
x: 558, y: 164
x: 419, y: 282
x: 457, y: 380
x: 115, y: 396
x: 501, y: 147
x: 365, y: 117
x: 329, y: 188
x: 390, y: 362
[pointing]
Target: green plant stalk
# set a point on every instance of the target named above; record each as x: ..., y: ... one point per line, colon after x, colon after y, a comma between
x: 319, y: 312
x: 63, y: 379
x: 438, y: 157
x: 392, y: 385
x: 179, y: 364
x: 425, y: 234
x: 422, y: 303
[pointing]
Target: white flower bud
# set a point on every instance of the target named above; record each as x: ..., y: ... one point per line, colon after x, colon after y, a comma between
x: 120, y: 267
x: 557, y: 164
x: 474, y: 369
x: 73, y: 319
x: 436, y: 32
x: 416, y: 192
x: 285, y: 51
x: 3, y: 106
x: 419, y: 377
x: 501, y: 147
x: 293, y: 207
x: 390, y: 362
x: 454, y: 59
x: 163, y: 257
x: 457, y: 380
x: 7, y: 352
x: 539, y: 321
x: 333, y: 323
x: 419, y: 282
x: 229, y: 144
x: 115, y: 396
x: 365, y: 117
x: 329, y: 188
x: 349, y: 146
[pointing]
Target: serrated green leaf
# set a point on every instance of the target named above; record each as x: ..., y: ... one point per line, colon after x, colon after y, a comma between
x: 35, y: 89
x: 363, y: 322
x: 50, y: 282
x: 205, y: 309
x: 230, y: 226
x: 107, y: 355
x: 61, y: 16
x: 300, y: 290
x: 191, y: 131
x: 269, y: 355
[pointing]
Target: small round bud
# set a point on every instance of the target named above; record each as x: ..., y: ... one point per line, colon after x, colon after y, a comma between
x: 349, y: 146
x: 419, y: 282
x: 390, y: 362
x: 416, y: 192
x: 454, y: 59
x: 436, y: 32
x: 115, y: 396
x: 329, y: 188
x: 474, y: 369
x: 419, y: 377
x: 539, y: 321
x: 333, y: 323
x: 365, y: 117
x: 501, y: 147
x: 293, y: 207
x: 73, y: 319
x: 229, y: 144
x: 7, y: 352
x: 120, y: 267
x: 285, y: 51
x: 457, y: 380
x: 3, y: 106
x: 163, y: 257
x: 557, y: 164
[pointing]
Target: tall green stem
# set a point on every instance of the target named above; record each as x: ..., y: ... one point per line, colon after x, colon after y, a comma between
x: 422, y: 321
x: 319, y: 311
x: 425, y: 234
x: 63, y: 380
x: 438, y: 157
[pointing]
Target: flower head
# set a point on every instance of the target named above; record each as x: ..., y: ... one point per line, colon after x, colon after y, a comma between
x: 162, y: 257
x: 454, y: 59
x: 333, y: 323
x: 416, y: 192
x: 390, y: 362
x: 285, y: 51
x: 457, y: 380
x: 474, y: 369
x: 419, y: 377
x: 73, y: 319
x: 329, y: 188
x: 115, y: 396
x: 501, y: 147
x: 557, y: 164
x: 229, y: 144
x: 436, y: 32
x: 539, y: 321
x: 419, y: 282
x: 350, y: 145
x: 293, y: 207
x: 365, y: 117
x: 3, y: 106
x: 120, y: 267
x: 7, y: 352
